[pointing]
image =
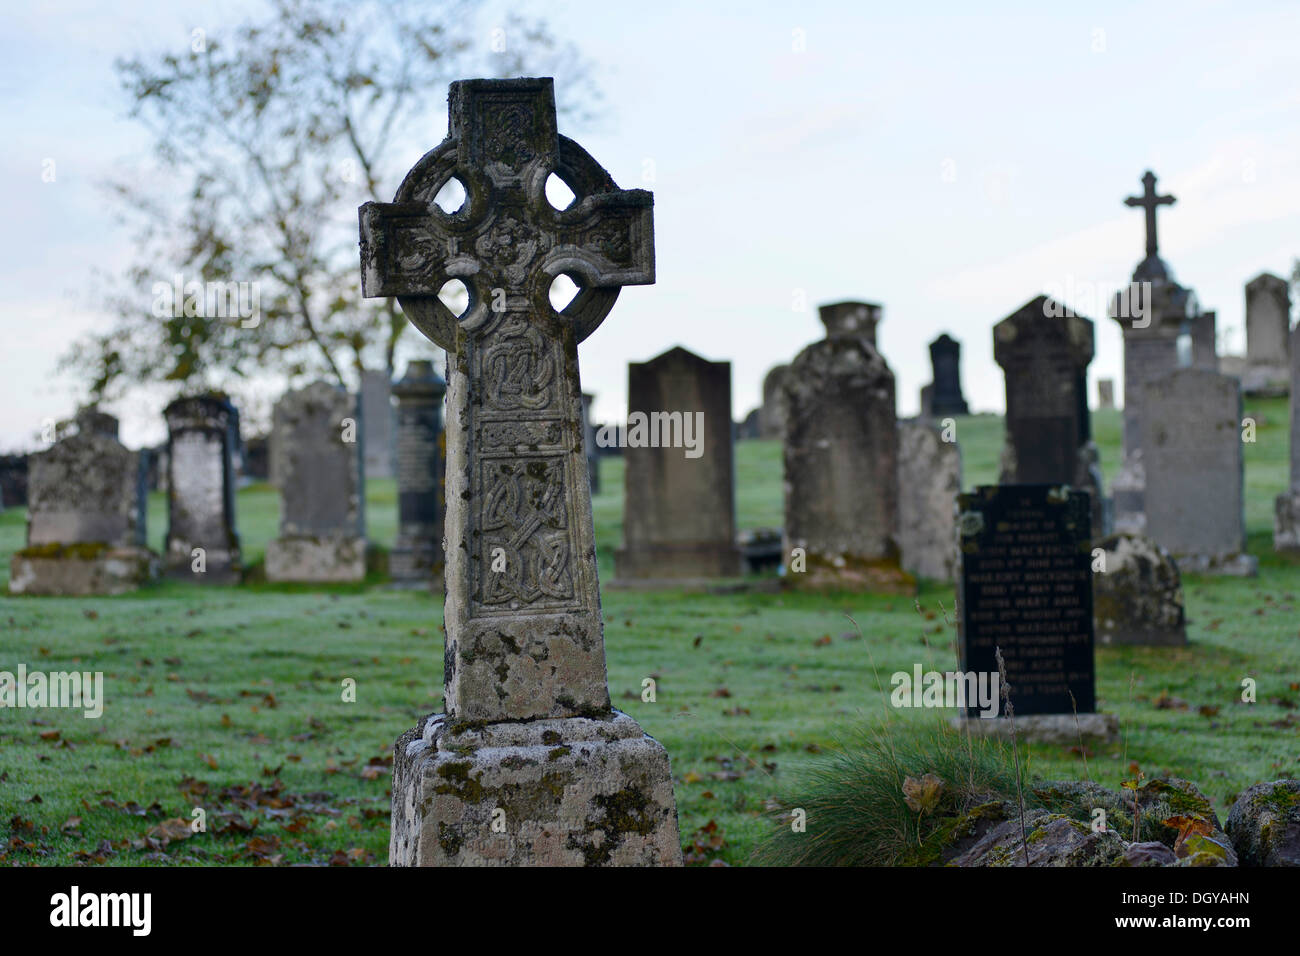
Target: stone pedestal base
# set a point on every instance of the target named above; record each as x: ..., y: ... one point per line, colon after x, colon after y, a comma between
x: 1128, y: 493
x: 566, y: 792
x: 850, y: 573
x: 1286, y: 522
x: 221, y: 565
x: 666, y: 564
x: 316, y: 560
x: 416, y: 563
x: 80, y: 569
x: 1266, y: 381
x: 1061, y: 729
x: 1228, y: 565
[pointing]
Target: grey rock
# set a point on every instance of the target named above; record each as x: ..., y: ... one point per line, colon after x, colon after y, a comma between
x: 1264, y: 824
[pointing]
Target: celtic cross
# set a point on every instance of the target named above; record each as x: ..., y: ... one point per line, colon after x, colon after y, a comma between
x: 522, y: 615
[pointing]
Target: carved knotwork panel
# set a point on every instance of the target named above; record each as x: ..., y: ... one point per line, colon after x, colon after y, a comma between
x: 525, y: 535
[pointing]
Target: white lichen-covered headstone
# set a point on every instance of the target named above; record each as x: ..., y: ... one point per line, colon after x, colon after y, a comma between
x: 529, y: 764
x: 202, y: 544
x: 929, y: 481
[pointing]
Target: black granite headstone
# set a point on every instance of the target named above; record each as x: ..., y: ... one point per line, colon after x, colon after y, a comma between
x: 945, y: 362
x: 1026, y: 587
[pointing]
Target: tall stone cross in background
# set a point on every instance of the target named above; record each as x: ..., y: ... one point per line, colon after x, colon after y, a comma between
x: 529, y: 764
x: 1150, y: 202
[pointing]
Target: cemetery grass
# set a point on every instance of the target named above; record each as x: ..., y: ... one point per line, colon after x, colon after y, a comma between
x: 231, y: 698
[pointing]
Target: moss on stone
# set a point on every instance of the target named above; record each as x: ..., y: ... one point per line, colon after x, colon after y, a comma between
x: 459, y: 783
x: 56, y: 551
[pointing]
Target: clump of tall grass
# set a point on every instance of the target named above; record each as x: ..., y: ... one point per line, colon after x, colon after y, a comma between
x: 856, y: 810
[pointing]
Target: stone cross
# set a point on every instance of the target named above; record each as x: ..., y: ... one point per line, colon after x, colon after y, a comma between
x: 525, y: 659
x: 1150, y: 201
x: 525, y: 642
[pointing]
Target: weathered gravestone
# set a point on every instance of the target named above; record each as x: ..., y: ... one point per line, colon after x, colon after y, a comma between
x: 201, y: 539
x: 929, y: 480
x: 1268, y: 336
x: 679, y: 513
x: 750, y: 426
x: 85, y: 516
x: 589, y: 442
x: 1203, y: 329
x: 13, y: 479
x: 377, y: 423
x: 1044, y: 351
x: 421, y: 450
x: 841, y: 461
x: 1026, y: 589
x: 1194, y: 473
x: 852, y: 318
x: 1106, y: 394
x: 945, y: 397
x: 529, y: 764
x: 1286, y: 520
x: 771, y: 416
x: 1137, y: 593
x: 256, y: 460
x: 1152, y: 314
x: 322, y: 508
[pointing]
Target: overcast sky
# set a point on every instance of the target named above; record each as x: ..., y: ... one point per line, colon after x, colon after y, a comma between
x: 947, y: 160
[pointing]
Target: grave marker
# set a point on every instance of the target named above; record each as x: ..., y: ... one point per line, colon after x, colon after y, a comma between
x: 679, y: 513
x: 1268, y: 336
x: 421, y: 450
x: 201, y: 490
x: 929, y: 480
x: 322, y: 508
x: 841, y: 460
x: 1194, y: 471
x: 529, y: 764
x: 1286, y: 521
x: 377, y: 423
x: 1026, y: 589
x: 945, y: 397
x: 85, y: 516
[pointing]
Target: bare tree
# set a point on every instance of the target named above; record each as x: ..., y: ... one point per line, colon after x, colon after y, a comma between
x: 266, y: 139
